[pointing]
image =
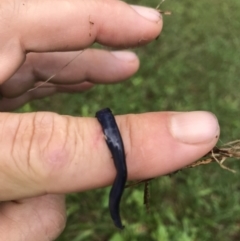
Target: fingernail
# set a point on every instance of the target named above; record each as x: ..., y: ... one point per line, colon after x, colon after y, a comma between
x: 194, y: 127
x: 125, y: 55
x: 148, y: 13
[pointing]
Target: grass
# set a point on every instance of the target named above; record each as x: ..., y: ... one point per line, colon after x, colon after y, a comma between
x: 194, y: 65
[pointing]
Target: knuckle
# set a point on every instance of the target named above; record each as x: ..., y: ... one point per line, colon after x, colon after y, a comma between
x: 53, y: 141
x: 43, y: 144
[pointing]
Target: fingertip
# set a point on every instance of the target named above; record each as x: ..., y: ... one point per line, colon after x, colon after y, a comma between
x: 130, y: 61
x: 163, y: 142
x: 125, y: 56
x: 196, y: 127
x: 140, y: 25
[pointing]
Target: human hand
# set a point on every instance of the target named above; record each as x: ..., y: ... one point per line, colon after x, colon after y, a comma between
x: 50, y: 26
x: 44, y: 155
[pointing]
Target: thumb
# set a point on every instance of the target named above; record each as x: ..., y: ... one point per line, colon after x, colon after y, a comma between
x: 47, y: 153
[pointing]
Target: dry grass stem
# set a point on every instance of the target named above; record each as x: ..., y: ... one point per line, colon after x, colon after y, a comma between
x: 217, y: 154
x: 160, y: 11
x: 51, y: 77
x: 220, y: 155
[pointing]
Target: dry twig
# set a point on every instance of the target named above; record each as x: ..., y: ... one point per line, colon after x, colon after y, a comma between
x: 220, y: 155
x: 217, y: 154
x: 162, y: 12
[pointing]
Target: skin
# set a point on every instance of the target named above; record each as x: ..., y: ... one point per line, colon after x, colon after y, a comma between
x: 43, y: 153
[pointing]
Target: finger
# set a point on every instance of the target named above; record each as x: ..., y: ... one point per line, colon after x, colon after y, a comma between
x: 71, y: 25
x: 47, y: 153
x: 96, y: 66
x: 41, y: 218
x: 39, y: 92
